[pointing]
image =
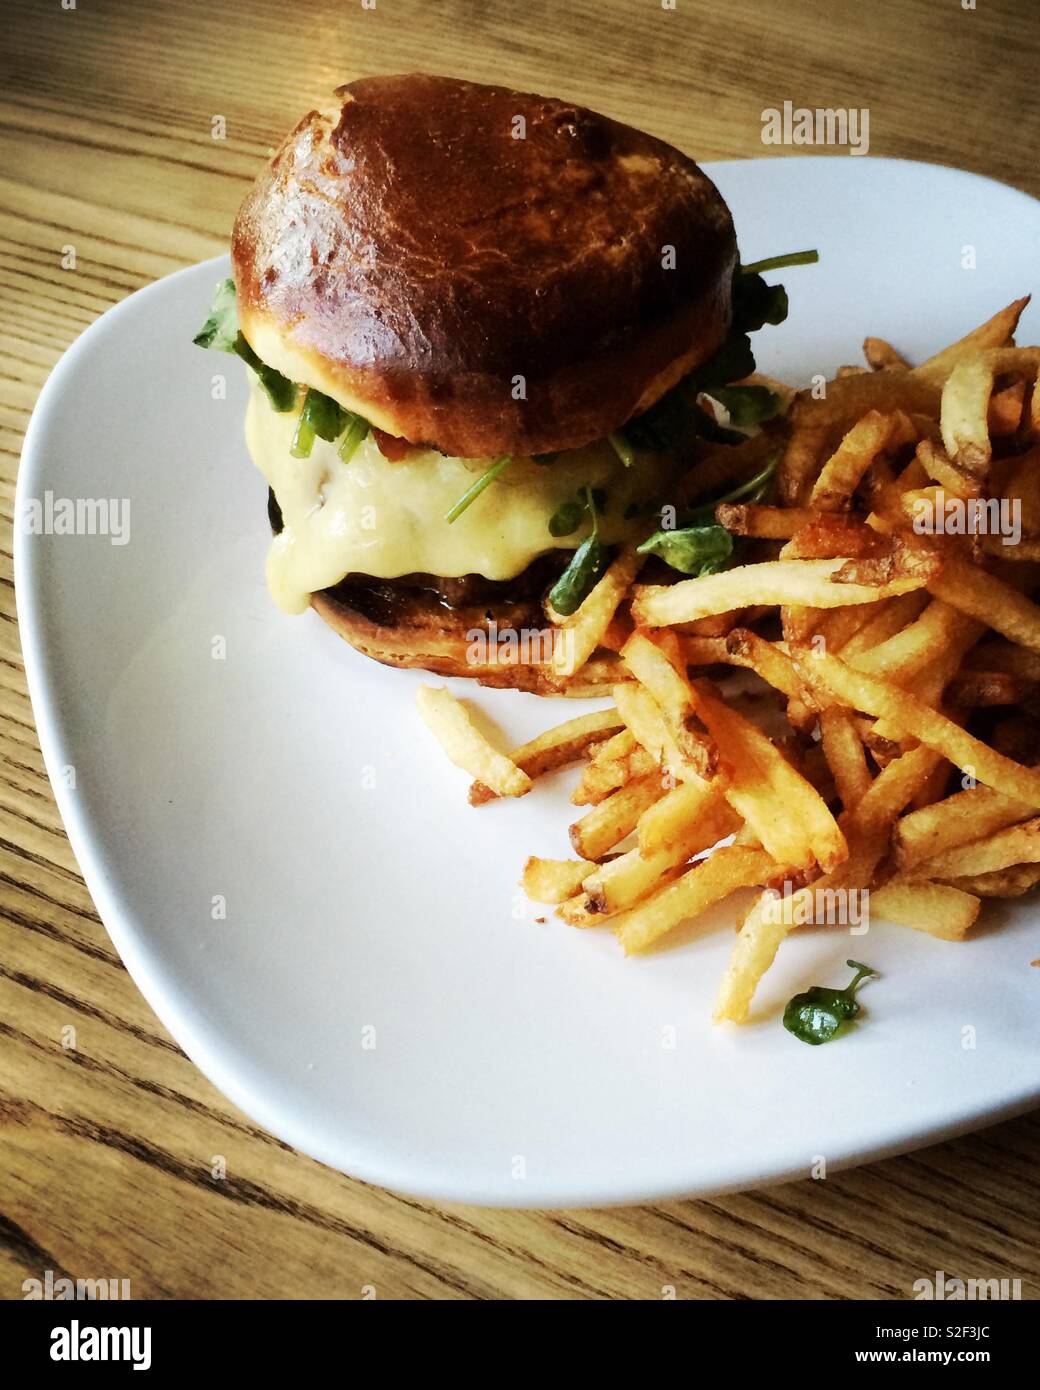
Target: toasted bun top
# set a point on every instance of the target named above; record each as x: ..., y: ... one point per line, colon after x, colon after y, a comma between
x: 479, y: 269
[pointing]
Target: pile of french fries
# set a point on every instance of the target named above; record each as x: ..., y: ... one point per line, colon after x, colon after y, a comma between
x: 886, y: 739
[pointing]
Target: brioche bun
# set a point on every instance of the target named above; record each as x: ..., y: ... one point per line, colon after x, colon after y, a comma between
x: 481, y: 270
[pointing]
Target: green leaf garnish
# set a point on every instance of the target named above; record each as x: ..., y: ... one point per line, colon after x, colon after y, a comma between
x: 221, y: 328
x: 473, y: 492
x: 566, y: 518
x: 747, y: 406
x: 280, y: 391
x: 779, y: 262
x: 817, y: 1015
x: 698, y: 545
x: 755, y: 303
x: 622, y: 448
x: 357, y: 431
x: 321, y: 417
x: 586, y: 565
x: 695, y: 550
x: 221, y: 333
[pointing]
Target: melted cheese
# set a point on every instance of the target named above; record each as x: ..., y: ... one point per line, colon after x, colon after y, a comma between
x: 385, y: 519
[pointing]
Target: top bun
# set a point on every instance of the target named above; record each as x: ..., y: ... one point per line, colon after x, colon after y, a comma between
x: 481, y: 270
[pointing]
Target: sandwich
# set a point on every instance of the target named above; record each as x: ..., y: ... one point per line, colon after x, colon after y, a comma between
x: 482, y: 328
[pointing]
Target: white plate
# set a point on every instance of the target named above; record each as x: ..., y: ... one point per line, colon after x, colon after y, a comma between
x: 515, y: 1063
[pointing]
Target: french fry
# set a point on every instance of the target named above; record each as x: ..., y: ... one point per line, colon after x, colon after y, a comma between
x: 869, y: 436
x: 768, y: 921
x: 766, y: 659
x: 843, y: 750
x: 965, y: 403
x: 957, y: 820
x: 607, y: 824
x: 1018, y: 844
x: 1001, y: 883
x: 941, y: 469
x: 708, y: 882
x: 1022, y: 486
x: 578, y: 636
x: 557, y: 747
x: 887, y: 618
x: 687, y: 749
x: 704, y: 651
x: 786, y: 813
x: 812, y: 582
x: 800, y: 462
x: 627, y: 879
x: 880, y: 354
x: 936, y: 908
x: 452, y: 727
x: 610, y: 765
x: 1004, y: 414
x: 999, y: 331
x: 829, y: 676
x: 985, y: 597
x: 765, y: 523
x: 832, y: 534
x: 905, y: 655
x: 726, y: 466
x: 656, y: 734
x: 554, y: 880
x: 666, y: 825
x: 873, y: 815
x: 593, y: 681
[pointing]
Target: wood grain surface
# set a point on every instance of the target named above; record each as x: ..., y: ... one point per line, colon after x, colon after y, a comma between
x: 106, y: 112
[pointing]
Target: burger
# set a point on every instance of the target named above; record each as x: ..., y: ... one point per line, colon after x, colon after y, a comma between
x: 482, y: 328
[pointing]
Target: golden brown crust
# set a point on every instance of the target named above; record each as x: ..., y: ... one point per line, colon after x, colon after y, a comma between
x: 424, y: 634
x: 405, y: 253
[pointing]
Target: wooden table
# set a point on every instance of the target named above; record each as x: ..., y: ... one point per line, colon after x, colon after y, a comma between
x: 105, y: 1150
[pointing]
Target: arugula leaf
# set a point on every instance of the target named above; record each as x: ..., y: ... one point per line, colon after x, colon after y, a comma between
x: 622, y: 448
x: 586, y: 565
x: 357, y: 431
x: 755, y: 303
x: 280, y: 391
x: 473, y: 492
x: 566, y: 518
x: 321, y: 416
x: 221, y: 333
x: 733, y: 361
x: 568, y: 515
x: 746, y: 406
x: 817, y: 1015
x: 695, y: 550
x: 780, y: 262
x: 221, y: 328
x: 699, y: 545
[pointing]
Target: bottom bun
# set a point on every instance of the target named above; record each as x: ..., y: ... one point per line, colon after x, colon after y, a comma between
x: 500, y: 644
x: 494, y: 633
